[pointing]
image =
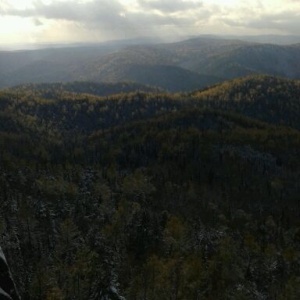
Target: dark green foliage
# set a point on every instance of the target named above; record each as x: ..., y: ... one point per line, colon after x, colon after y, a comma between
x: 270, y: 99
x: 151, y: 195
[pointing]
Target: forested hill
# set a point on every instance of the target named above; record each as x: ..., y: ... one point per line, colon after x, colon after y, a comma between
x: 149, y: 195
x: 102, y: 89
x: 267, y: 98
x: 86, y: 106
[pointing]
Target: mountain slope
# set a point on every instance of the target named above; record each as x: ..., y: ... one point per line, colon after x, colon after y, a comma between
x: 167, y: 77
x: 268, y: 98
x: 101, y: 89
x: 190, y: 64
x: 193, y: 200
x: 90, y: 105
x: 254, y: 59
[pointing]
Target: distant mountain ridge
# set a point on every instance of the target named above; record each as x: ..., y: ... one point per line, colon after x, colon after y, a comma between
x: 180, y: 66
x: 255, y: 59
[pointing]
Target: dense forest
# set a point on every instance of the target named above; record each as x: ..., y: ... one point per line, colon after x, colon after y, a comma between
x: 127, y: 192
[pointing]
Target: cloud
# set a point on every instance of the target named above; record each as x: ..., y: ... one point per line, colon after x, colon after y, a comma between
x: 4, y: 5
x: 70, y: 10
x: 114, y: 16
x: 100, y: 15
x: 285, y: 21
x: 37, y: 22
x: 169, y: 6
x: 109, y: 19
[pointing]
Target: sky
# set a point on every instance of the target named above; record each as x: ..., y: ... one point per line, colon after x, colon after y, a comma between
x: 65, y: 21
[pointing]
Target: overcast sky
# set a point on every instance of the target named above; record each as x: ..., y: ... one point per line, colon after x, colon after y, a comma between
x: 56, y: 21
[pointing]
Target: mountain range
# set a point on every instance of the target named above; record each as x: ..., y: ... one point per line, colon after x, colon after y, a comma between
x: 151, y: 170
x: 179, y: 66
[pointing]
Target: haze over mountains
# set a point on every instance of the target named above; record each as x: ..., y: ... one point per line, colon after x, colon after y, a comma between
x: 181, y: 66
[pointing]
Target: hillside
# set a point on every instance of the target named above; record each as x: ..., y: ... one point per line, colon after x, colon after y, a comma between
x: 49, y: 65
x: 167, y: 77
x: 91, y: 106
x: 115, y: 195
x: 181, y: 66
x: 101, y: 89
x: 253, y: 59
x: 267, y: 98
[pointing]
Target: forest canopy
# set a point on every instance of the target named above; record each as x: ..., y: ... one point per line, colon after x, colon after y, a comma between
x: 142, y: 194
